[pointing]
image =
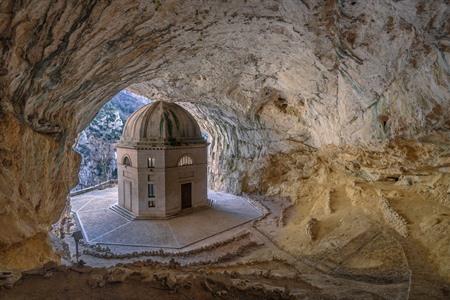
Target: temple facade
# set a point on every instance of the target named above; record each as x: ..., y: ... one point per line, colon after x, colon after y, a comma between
x: 162, y: 162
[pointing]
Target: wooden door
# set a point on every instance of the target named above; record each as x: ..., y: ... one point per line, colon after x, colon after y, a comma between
x: 186, y: 195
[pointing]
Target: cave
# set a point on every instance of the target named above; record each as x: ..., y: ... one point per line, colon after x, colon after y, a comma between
x: 331, y: 116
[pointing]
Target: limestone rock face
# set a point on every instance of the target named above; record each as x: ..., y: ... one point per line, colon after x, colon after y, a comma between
x: 263, y: 78
x: 340, y: 192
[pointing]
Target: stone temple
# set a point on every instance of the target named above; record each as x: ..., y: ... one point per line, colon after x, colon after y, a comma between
x: 162, y: 163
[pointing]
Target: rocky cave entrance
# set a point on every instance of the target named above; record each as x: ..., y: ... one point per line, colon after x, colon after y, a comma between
x: 337, y: 116
x: 94, y: 213
x: 96, y: 143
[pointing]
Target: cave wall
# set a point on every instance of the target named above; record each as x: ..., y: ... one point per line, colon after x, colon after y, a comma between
x: 263, y: 78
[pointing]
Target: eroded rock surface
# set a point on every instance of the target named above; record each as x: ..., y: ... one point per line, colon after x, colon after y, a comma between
x: 271, y: 81
x: 399, y: 191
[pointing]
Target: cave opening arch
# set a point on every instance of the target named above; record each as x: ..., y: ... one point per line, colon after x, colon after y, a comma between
x: 231, y: 149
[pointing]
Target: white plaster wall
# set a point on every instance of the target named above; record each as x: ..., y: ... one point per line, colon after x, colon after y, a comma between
x: 157, y: 178
x: 166, y: 176
x: 196, y: 174
x: 129, y: 173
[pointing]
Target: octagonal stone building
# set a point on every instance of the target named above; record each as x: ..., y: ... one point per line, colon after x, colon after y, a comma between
x: 162, y: 163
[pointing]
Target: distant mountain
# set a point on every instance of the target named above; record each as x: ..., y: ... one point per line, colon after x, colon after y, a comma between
x: 127, y: 102
x: 96, y: 143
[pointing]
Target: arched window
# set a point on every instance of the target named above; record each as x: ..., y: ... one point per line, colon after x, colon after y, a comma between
x: 126, y: 161
x: 185, y: 161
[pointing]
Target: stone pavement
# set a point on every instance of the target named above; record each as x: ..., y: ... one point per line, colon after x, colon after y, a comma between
x: 102, y: 225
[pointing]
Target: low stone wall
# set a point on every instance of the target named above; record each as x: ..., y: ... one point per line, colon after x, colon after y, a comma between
x: 105, y: 252
x: 100, y: 186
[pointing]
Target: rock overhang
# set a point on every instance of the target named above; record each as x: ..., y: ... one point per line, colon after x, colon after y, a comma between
x: 263, y: 78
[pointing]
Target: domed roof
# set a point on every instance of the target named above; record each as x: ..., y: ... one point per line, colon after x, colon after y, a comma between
x: 161, y: 123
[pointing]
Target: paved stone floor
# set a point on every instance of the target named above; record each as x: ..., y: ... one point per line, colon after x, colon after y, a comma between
x: 102, y: 225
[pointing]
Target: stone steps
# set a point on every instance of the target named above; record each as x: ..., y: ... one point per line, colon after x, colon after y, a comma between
x: 123, y: 212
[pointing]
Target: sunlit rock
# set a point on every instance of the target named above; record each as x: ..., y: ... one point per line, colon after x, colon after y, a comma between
x: 331, y: 105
